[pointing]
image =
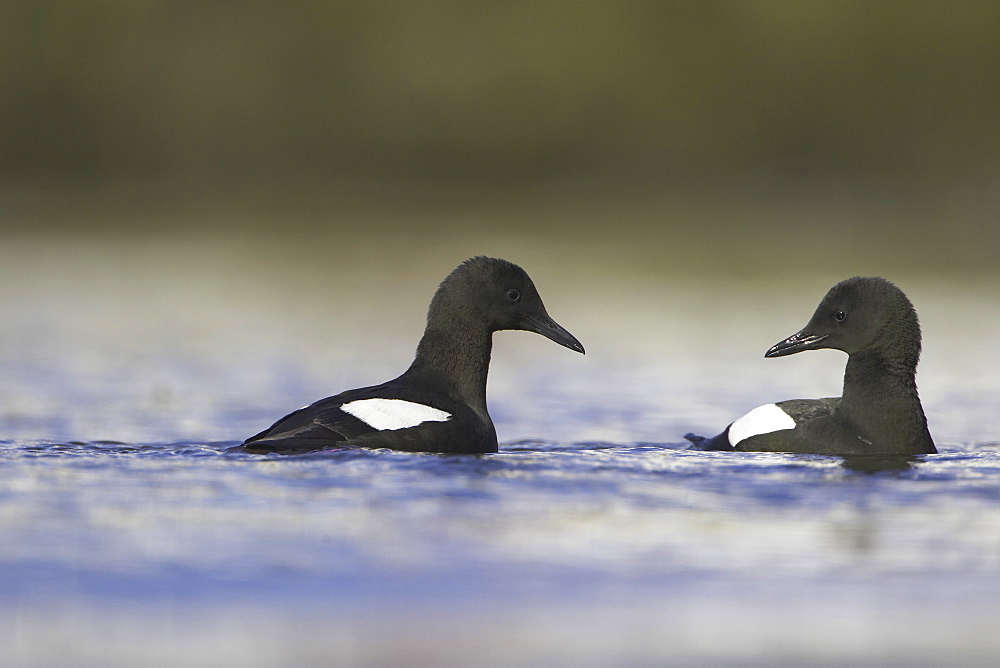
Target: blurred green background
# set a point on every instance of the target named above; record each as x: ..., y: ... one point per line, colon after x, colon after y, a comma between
x: 745, y: 135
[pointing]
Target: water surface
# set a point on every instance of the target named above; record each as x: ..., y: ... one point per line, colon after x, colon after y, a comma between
x: 132, y: 536
x: 586, y: 553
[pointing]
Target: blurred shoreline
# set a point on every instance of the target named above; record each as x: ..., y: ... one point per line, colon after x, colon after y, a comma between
x: 736, y: 229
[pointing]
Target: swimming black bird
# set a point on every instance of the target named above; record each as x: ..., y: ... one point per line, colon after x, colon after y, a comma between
x: 879, y: 412
x: 439, y: 403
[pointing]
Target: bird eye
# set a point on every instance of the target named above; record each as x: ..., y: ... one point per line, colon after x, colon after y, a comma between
x: 514, y: 295
x: 839, y: 316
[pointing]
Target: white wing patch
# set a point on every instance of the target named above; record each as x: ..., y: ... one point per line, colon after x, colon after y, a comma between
x: 761, y: 420
x: 389, y: 414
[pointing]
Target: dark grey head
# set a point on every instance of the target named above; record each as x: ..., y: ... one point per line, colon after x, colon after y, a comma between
x: 498, y: 294
x: 859, y: 314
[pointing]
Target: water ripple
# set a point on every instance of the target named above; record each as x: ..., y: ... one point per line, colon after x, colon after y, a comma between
x: 642, y: 527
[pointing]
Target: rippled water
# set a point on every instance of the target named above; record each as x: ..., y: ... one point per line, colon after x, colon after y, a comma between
x: 131, y: 535
x: 583, y: 553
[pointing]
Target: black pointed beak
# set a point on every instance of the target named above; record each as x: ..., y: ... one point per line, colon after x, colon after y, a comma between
x: 796, y: 343
x: 550, y: 329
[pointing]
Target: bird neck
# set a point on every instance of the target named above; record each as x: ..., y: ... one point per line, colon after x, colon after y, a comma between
x: 880, y: 397
x: 457, y: 357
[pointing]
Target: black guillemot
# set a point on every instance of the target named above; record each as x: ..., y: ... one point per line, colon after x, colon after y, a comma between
x: 879, y: 412
x: 439, y: 403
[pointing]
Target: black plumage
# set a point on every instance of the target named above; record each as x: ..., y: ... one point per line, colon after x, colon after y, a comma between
x: 483, y: 295
x: 879, y: 412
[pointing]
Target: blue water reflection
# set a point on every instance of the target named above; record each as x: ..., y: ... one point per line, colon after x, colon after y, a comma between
x: 618, y: 548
